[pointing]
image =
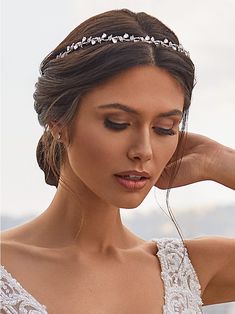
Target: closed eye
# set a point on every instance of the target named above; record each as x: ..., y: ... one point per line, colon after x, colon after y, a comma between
x: 162, y: 131
x: 122, y: 126
x: 114, y: 125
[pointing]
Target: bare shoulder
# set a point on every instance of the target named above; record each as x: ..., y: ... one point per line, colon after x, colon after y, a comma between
x: 10, y: 239
x: 12, y: 255
x: 211, y: 257
x: 14, y: 237
x: 16, y: 249
x: 12, y: 248
x: 20, y: 235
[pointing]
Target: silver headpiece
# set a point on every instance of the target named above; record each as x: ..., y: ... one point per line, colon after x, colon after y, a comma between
x: 126, y: 37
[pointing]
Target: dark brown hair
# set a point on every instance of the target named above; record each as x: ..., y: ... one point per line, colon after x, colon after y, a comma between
x: 63, y: 81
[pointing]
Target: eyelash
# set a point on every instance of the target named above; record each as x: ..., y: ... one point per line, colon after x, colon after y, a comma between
x: 122, y: 126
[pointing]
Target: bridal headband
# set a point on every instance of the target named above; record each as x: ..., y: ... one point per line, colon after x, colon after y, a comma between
x: 125, y: 38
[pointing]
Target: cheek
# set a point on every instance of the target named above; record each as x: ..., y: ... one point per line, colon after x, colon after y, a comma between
x: 173, y: 147
x: 90, y: 150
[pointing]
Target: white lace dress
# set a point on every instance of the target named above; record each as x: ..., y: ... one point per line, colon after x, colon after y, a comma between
x: 181, y: 285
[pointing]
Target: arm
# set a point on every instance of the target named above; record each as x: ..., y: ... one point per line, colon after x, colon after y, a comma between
x: 212, y: 257
x: 214, y: 261
x: 222, y: 167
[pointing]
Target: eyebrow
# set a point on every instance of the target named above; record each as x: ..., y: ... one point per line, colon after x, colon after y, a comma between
x: 174, y: 112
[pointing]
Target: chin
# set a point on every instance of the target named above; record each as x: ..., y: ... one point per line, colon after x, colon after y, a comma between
x: 129, y: 204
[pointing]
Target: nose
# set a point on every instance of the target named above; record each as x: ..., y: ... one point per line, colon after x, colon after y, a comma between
x: 141, y: 148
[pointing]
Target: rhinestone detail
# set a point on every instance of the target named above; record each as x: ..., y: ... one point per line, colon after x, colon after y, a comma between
x: 124, y: 38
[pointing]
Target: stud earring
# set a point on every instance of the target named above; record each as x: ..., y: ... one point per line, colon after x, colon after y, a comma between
x: 58, y: 136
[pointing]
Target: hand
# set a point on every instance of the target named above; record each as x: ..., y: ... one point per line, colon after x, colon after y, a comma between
x: 203, y: 159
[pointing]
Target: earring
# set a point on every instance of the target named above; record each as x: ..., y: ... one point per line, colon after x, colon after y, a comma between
x: 58, y: 136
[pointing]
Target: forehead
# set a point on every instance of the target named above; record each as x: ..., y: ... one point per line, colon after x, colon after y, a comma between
x: 143, y: 88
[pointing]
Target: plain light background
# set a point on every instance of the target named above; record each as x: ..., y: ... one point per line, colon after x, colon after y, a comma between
x: 31, y: 29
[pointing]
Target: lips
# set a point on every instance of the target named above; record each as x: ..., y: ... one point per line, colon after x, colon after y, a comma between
x: 142, y: 174
x: 130, y: 183
x: 133, y: 179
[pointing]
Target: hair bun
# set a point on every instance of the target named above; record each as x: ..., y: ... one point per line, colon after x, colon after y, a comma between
x: 42, y: 160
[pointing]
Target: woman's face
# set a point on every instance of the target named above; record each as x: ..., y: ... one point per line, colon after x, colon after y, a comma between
x: 129, y: 123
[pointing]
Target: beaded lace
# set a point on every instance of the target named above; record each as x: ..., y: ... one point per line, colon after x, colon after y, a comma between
x: 182, y: 288
x: 15, y: 299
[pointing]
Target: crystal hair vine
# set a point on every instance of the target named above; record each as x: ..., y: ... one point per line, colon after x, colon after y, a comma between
x: 125, y: 38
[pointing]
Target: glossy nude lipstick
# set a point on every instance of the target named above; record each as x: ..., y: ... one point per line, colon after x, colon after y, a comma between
x: 133, y: 180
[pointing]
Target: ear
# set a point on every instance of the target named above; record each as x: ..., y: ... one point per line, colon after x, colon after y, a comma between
x: 56, y: 128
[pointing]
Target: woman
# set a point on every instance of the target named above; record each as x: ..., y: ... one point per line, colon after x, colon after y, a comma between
x: 114, y: 98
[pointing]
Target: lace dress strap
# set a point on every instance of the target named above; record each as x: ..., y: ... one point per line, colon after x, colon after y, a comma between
x: 15, y: 299
x: 181, y: 284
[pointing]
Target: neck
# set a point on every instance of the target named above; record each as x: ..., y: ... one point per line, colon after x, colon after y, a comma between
x: 83, y: 220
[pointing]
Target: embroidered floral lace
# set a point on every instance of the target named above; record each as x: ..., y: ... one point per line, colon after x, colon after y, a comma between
x: 182, y: 288
x: 181, y: 284
x: 15, y: 299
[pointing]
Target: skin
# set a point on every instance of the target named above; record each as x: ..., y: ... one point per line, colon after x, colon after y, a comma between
x: 88, y: 186
x: 96, y: 191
